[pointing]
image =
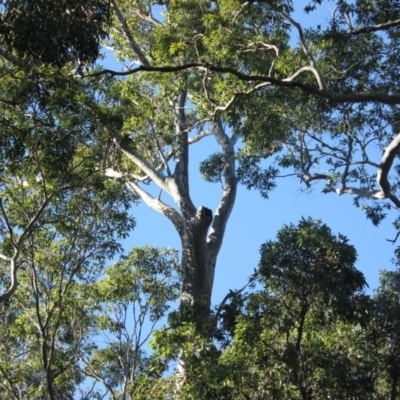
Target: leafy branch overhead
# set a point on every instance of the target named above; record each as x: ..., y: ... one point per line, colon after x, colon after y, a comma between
x: 323, y: 69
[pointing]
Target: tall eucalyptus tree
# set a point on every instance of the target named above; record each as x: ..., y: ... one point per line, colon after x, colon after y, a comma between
x: 162, y: 116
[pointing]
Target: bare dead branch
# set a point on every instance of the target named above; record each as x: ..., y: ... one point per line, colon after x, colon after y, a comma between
x: 395, y: 239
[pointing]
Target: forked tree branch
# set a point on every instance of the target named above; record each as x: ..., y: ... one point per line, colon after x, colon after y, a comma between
x: 165, y: 183
x: 313, y: 65
x: 152, y: 202
x: 158, y: 205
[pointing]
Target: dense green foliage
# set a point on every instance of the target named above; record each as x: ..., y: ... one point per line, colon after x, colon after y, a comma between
x: 54, y: 32
x: 80, y: 143
x: 301, y: 326
x: 305, y: 328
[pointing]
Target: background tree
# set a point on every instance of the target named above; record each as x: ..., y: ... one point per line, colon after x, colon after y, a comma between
x: 383, y: 334
x: 133, y: 297
x: 44, y: 159
x: 50, y: 317
x: 60, y: 221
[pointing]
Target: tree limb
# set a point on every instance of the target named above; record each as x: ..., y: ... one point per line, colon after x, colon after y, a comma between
x: 148, y: 17
x: 158, y: 205
x: 200, y: 136
x: 386, y: 163
x: 14, y: 281
x: 181, y: 172
x: 10, y: 389
x: 134, y: 46
x: 17, y: 245
x: 313, y: 66
x: 390, y: 99
x: 228, y: 296
x: 152, y: 202
x: 9, y: 228
x: 165, y: 183
x: 379, y: 27
x: 364, y: 193
x: 312, y: 69
x: 224, y: 209
x: 8, y: 56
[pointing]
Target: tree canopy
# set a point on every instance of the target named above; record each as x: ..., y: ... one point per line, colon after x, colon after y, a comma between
x: 83, y: 140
